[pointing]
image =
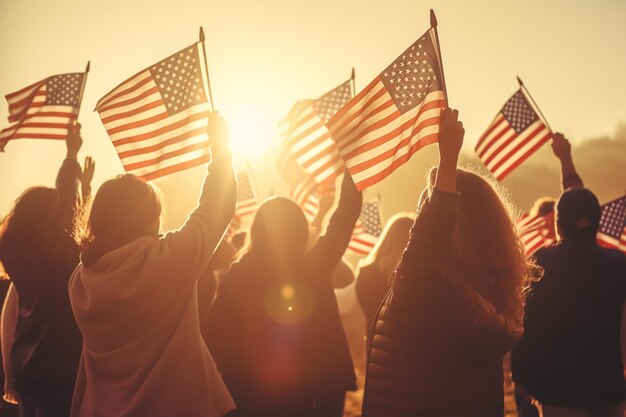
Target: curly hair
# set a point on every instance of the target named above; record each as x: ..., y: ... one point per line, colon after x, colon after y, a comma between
x: 487, y: 254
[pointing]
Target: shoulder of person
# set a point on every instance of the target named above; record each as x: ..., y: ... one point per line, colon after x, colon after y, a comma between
x: 615, y: 255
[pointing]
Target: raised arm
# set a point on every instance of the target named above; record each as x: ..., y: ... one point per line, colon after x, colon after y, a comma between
x: 85, y: 180
x: 563, y: 151
x: 431, y: 233
x: 330, y: 247
x: 68, y: 179
x: 325, y: 203
x: 193, y: 245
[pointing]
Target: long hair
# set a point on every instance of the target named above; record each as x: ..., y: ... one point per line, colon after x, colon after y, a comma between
x: 278, y: 235
x: 486, y: 252
x: 393, y: 239
x: 124, y: 209
x: 29, y: 224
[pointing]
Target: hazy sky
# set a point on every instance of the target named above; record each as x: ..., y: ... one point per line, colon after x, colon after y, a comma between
x: 265, y: 55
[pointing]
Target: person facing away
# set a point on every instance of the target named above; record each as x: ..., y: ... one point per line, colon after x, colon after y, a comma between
x: 542, y: 207
x: 135, y: 300
x: 569, y: 358
x: 39, y: 255
x: 372, y: 282
x: 455, y: 306
x: 274, y: 328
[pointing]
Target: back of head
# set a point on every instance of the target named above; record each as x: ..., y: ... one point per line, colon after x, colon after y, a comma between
x: 543, y: 206
x: 486, y: 249
x: 124, y: 209
x: 578, y: 214
x: 279, y: 232
x: 392, y: 241
x: 28, y: 224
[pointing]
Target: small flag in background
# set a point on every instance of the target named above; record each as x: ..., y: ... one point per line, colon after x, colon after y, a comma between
x: 307, y: 195
x: 394, y: 116
x: 367, y: 229
x: 612, y: 230
x: 514, y: 135
x: 308, y: 141
x: 536, y: 232
x: 157, y: 118
x: 311, y: 206
x: 247, y: 202
x: 44, y: 110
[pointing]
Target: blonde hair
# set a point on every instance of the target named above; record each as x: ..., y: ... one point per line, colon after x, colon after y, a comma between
x: 396, y: 232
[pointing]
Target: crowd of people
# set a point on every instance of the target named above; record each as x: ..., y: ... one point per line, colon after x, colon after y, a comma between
x: 107, y: 317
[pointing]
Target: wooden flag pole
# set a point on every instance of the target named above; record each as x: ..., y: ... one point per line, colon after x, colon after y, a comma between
x: 82, y: 90
x: 352, y: 78
x: 206, y: 66
x: 523, y: 87
x: 433, y: 25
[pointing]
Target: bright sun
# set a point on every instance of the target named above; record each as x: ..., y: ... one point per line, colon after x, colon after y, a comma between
x: 251, y: 135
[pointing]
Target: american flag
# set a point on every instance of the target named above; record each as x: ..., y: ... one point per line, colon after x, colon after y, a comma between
x: 157, y: 118
x: 308, y: 141
x: 612, y: 230
x: 44, y: 110
x: 536, y: 232
x: 310, y: 206
x: 515, y: 134
x: 307, y: 194
x: 394, y: 116
x: 247, y: 202
x: 368, y: 228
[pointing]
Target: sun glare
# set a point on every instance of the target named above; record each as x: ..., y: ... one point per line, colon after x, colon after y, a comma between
x: 250, y: 135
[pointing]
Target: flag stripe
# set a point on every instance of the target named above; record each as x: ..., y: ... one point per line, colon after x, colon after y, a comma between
x: 177, y: 167
x: 145, y: 90
x: 356, y: 109
x: 158, y: 145
x: 127, y: 88
x: 493, y: 133
x: 167, y: 155
x: 164, y: 128
x: 514, y: 135
x: 32, y: 118
x: 390, y: 120
x: 510, y: 165
x: 343, y: 120
x: 156, y: 119
x: 134, y: 112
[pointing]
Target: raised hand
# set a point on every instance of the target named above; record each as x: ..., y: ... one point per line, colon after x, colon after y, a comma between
x: 451, y: 133
x: 74, y: 141
x: 218, y: 134
x: 561, y: 146
x: 88, y: 171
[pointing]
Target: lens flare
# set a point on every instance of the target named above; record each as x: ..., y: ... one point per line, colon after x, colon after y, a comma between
x: 289, y: 304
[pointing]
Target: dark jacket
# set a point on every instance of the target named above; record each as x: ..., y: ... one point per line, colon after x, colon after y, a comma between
x: 430, y: 355
x: 371, y: 287
x: 47, y: 341
x: 283, y: 351
x: 570, y: 353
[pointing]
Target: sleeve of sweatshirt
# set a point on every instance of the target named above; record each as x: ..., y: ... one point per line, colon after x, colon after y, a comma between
x: 422, y: 293
x: 329, y: 248
x: 190, y: 248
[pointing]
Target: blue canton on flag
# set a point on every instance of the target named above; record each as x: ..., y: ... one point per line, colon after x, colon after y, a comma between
x: 613, y: 218
x: 518, y: 112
